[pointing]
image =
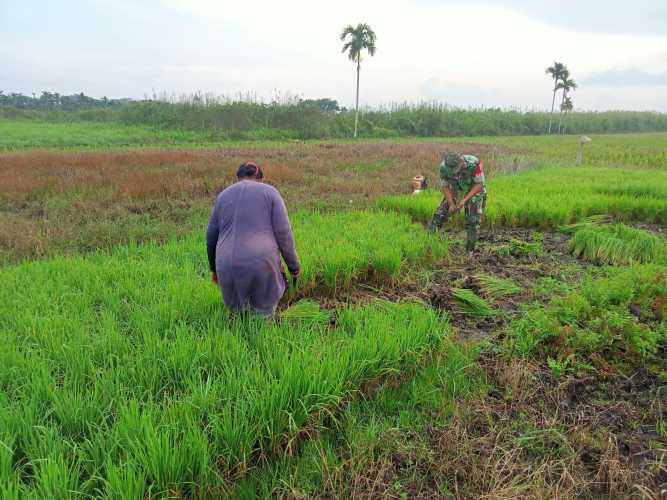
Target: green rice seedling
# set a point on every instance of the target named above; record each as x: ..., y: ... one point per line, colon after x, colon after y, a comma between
x: 618, y: 244
x: 471, y: 304
x: 337, y: 249
x: 587, y: 223
x: 307, y: 311
x: 496, y: 287
x: 550, y: 197
x: 519, y: 248
x: 122, y: 373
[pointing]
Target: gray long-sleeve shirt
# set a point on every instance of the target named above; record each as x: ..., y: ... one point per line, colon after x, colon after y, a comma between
x: 247, y: 233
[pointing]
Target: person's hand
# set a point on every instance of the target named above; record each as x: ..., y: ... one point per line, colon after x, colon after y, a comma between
x: 295, y: 273
x: 214, y: 277
x: 460, y: 205
x: 453, y: 208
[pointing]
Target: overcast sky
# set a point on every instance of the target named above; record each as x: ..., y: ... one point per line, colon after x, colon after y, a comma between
x: 464, y: 53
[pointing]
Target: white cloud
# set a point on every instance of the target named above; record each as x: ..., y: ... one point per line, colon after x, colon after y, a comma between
x: 464, y: 55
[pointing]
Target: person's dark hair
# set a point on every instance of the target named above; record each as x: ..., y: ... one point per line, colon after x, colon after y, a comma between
x: 249, y: 170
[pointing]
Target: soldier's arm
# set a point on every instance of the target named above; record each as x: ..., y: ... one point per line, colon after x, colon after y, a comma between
x: 444, y: 184
x: 449, y: 196
x: 478, y: 186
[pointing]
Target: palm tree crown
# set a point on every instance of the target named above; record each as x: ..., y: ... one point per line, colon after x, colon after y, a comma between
x: 360, y: 38
x: 567, y: 84
x: 567, y: 105
x: 556, y: 71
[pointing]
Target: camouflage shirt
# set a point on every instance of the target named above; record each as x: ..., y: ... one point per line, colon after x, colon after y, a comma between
x: 462, y: 179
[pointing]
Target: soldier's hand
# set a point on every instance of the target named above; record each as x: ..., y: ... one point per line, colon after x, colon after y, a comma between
x: 453, y: 208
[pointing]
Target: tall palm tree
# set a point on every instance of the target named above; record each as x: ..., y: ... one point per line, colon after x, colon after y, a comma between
x: 360, y: 38
x: 566, y: 84
x: 566, y: 107
x: 556, y: 72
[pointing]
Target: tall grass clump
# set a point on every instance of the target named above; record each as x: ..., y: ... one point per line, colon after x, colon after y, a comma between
x: 618, y: 244
x: 122, y: 375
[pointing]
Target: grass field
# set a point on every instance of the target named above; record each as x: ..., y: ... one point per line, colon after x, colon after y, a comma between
x: 397, y: 368
x: 22, y: 134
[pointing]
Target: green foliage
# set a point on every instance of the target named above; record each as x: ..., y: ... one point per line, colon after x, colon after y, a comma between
x: 617, y: 244
x: 469, y: 303
x: 496, y: 287
x: 619, y: 316
x: 53, y: 101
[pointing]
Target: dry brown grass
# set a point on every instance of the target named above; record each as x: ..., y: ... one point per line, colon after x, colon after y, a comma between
x: 530, y: 437
x: 148, y: 174
x: 54, y: 202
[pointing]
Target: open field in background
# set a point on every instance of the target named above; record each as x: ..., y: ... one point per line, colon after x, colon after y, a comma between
x: 536, y: 369
x: 80, y: 200
x: 22, y: 134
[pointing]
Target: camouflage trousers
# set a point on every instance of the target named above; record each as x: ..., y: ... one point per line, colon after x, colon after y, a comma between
x: 474, y: 209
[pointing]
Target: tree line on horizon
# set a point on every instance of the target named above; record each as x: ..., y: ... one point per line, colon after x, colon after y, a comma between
x: 324, y: 119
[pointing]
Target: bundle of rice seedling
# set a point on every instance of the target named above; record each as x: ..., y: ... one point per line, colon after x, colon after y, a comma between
x: 495, y: 287
x: 588, y: 223
x: 307, y: 311
x: 470, y: 304
x: 618, y: 244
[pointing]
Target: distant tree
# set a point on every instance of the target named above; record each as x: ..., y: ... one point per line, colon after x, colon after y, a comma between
x: 566, y: 107
x: 323, y: 104
x: 53, y: 100
x: 556, y: 72
x: 567, y: 85
x: 357, y: 39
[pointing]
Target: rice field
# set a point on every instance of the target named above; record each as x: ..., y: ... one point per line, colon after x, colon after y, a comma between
x: 122, y: 373
x: 548, y: 197
x: 396, y: 366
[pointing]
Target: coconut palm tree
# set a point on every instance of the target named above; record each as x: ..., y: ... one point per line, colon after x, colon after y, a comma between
x: 556, y: 72
x: 566, y: 106
x: 360, y: 38
x: 566, y: 84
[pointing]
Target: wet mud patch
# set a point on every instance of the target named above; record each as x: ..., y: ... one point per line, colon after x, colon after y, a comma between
x: 522, y: 256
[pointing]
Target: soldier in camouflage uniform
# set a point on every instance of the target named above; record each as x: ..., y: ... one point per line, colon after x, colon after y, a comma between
x: 462, y: 181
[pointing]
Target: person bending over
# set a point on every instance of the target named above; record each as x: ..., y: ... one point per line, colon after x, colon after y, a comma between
x: 247, y: 233
x: 462, y: 181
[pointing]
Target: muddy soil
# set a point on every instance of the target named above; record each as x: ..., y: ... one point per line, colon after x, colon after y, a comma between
x: 500, y: 254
